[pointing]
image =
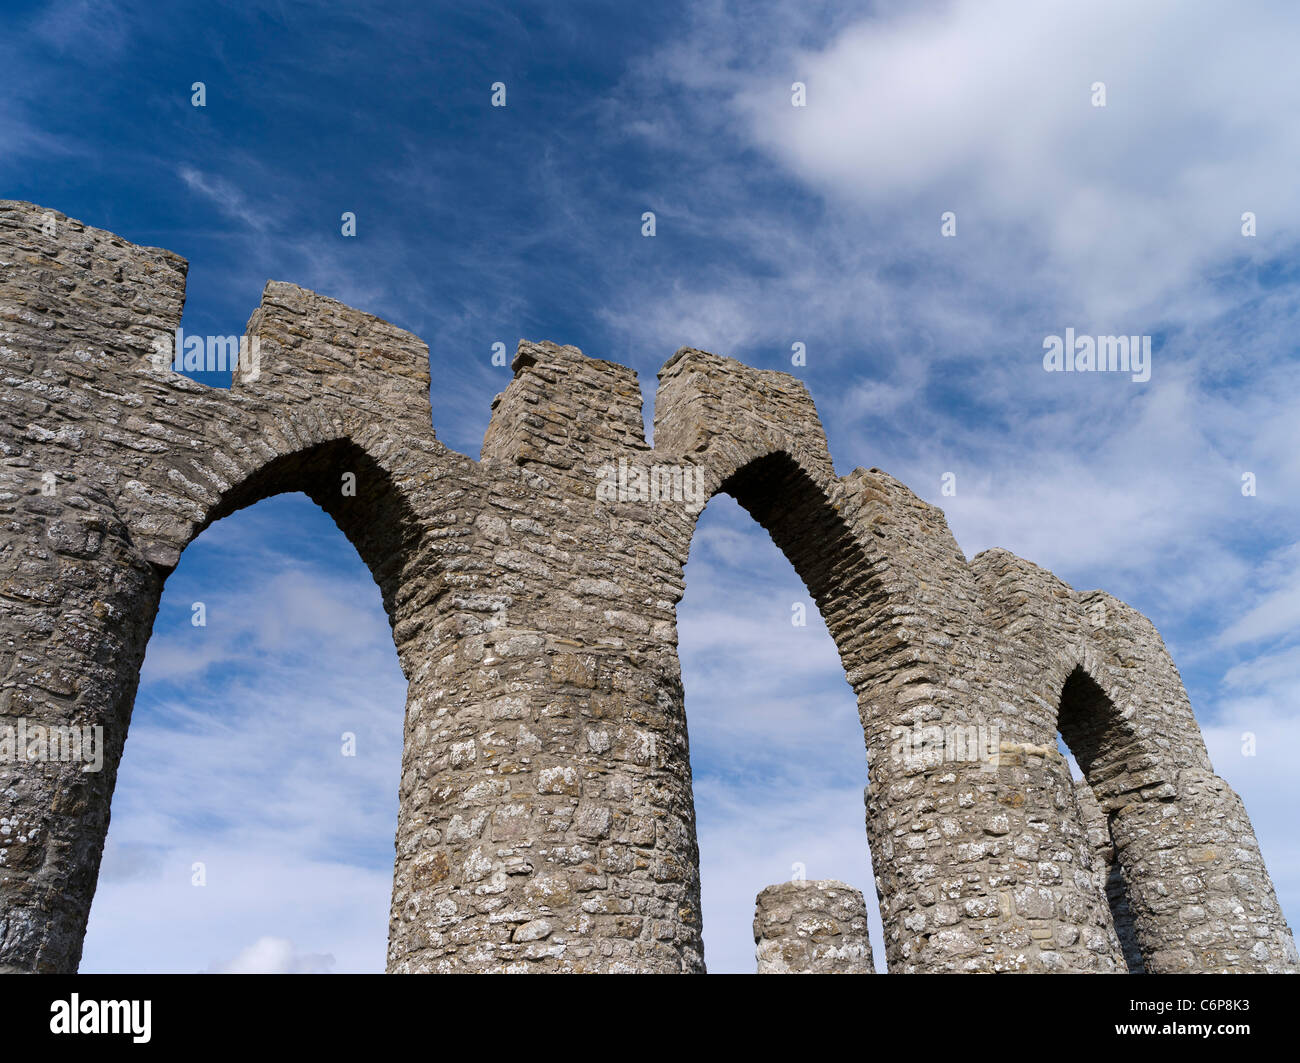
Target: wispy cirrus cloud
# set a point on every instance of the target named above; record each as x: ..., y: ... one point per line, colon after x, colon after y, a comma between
x: 228, y: 199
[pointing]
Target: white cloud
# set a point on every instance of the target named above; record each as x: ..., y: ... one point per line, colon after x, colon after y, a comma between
x: 1276, y: 609
x: 270, y: 955
x: 335, y: 914
x: 225, y: 196
x: 985, y: 108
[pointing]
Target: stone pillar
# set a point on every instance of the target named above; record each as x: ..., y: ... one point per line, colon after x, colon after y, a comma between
x: 1200, y: 895
x: 77, y: 598
x: 76, y: 609
x: 546, y: 818
x: 980, y: 861
x: 812, y: 927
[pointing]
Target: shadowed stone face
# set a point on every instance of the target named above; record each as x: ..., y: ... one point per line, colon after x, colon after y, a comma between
x: 546, y: 820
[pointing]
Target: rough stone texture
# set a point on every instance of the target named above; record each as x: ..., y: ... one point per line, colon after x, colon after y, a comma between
x: 807, y: 927
x: 546, y: 819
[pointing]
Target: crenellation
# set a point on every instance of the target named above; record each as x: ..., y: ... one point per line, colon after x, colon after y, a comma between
x: 546, y: 818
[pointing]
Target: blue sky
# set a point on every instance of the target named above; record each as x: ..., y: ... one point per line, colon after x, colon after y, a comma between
x: 775, y: 225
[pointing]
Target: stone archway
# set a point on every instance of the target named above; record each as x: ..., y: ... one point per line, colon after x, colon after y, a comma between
x: 1197, y: 893
x: 546, y: 820
x: 901, y: 603
x: 119, y: 465
x: 82, y: 674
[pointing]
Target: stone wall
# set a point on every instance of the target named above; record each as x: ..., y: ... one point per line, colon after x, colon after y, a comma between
x: 546, y: 818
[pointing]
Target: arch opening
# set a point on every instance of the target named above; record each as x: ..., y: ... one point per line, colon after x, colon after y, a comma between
x: 351, y: 487
x: 777, y: 750
x: 777, y: 762
x: 1091, y: 728
x: 256, y: 803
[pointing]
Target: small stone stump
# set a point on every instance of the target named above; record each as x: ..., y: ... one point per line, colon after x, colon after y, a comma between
x: 812, y: 927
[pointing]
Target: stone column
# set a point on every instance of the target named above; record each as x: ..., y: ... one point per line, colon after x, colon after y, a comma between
x: 546, y: 818
x: 812, y: 927
x: 77, y: 598
x: 1200, y: 895
x: 980, y: 861
x: 76, y: 606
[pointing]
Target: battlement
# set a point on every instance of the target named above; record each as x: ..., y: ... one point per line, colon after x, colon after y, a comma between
x: 565, y: 412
